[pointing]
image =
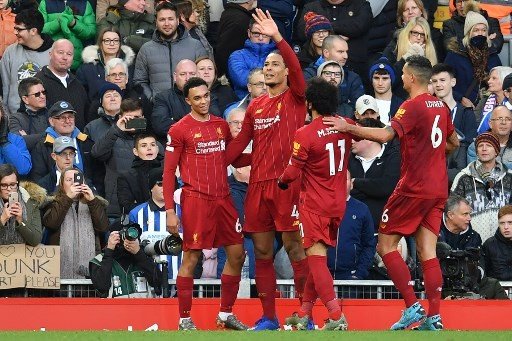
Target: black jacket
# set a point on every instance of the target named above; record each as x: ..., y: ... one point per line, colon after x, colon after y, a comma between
x: 382, y: 24
x: 170, y: 107
x: 468, y: 239
x: 34, y: 123
x: 375, y: 187
x: 497, y: 257
x: 221, y: 96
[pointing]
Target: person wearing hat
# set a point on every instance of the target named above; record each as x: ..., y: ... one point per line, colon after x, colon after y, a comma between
x: 473, y: 59
x: 486, y: 183
x: 317, y: 28
x: 62, y: 123
x: 382, y: 78
x: 366, y: 107
x: 333, y: 72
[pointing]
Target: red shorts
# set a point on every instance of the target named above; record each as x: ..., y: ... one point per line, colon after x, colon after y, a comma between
x: 403, y: 215
x: 268, y: 208
x: 319, y: 229
x: 209, y: 223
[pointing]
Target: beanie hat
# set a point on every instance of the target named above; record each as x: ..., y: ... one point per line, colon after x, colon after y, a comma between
x: 327, y: 63
x: 472, y: 19
x: 489, y: 138
x: 316, y: 22
x: 382, y: 64
x: 109, y: 86
x: 155, y: 175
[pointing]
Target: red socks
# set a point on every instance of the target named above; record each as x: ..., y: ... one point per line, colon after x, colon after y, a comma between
x: 309, y: 297
x: 324, y: 285
x: 433, y: 278
x: 400, y: 275
x: 184, y: 285
x: 300, y: 275
x: 228, y: 292
x: 266, y: 285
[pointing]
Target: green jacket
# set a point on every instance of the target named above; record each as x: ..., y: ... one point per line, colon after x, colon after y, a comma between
x: 57, y: 18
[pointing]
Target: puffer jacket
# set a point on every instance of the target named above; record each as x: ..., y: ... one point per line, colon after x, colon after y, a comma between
x: 34, y: 123
x: 58, y: 14
x: 7, y: 36
x: 242, y: 61
x: 496, y: 256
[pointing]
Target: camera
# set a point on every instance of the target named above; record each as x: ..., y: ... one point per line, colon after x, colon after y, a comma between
x: 170, y: 245
x: 460, y: 269
x: 130, y: 232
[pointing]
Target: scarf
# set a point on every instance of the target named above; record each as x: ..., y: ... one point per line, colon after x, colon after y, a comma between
x: 78, y: 158
x: 8, y: 233
x: 77, y: 242
x: 478, y: 59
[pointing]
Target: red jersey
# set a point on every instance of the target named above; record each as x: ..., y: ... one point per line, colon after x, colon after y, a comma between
x: 322, y: 156
x: 199, y: 149
x: 423, y: 125
x: 271, y: 123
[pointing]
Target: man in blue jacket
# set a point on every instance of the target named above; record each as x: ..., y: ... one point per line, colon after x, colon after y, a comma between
x: 13, y: 149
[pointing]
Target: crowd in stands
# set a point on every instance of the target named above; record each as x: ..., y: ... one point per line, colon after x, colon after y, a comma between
x: 75, y: 73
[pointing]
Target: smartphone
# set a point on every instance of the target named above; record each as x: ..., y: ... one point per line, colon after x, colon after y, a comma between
x: 13, y: 197
x: 79, y: 178
x: 136, y: 123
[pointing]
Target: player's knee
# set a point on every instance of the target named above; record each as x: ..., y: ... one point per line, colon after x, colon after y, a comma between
x: 294, y: 250
x: 236, y: 260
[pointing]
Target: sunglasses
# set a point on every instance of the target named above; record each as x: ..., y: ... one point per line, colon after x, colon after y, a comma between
x: 38, y: 94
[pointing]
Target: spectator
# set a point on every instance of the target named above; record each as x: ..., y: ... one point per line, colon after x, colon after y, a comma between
x: 497, y: 250
x: 170, y: 105
x: 384, y: 21
x: 336, y: 48
x: 73, y: 20
x: 108, y: 46
x: 382, y: 78
x: 233, y: 25
x: 473, y: 59
x: 170, y: 44
x: 190, y: 13
x: 375, y: 169
x: 496, y: 97
x: 240, y: 63
x: 19, y: 5
x: 13, y: 149
x: 24, y: 58
x: 283, y: 13
x: 31, y: 119
x: 255, y: 85
x: 350, y: 19
x: 221, y: 94
x: 103, y: 6
x: 485, y: 183
x: 133, y: 187
x: 501, y: 126
x: 414, y: 39
x: 454, y: 27
x: 352, y: 256
x: 21, y: 219
x: 74, y: 218
x: 317, y: 28
x: 507, y: 87
x: 332, y: 72
x: 61, y: 84
x: 215, y: 10
x: 6, y: 26
x: 366, y: 107
x: 135, y: 25
x: 123, y: 270
x: 443, y: 80
x: 62, y: 123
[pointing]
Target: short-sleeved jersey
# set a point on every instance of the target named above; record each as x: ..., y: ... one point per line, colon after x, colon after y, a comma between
x: 423, y: 125
x: 323, y: 157
x: 198, y: 148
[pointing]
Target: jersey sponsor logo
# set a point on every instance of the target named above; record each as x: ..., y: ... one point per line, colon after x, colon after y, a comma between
x: 400, y: 113
x: 198, y: 135
x: 296, y: 148
x: 434, y: 104
x: 265, y: 123
x: 210, y: 146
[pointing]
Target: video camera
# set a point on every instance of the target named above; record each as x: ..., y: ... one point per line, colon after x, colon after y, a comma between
x: 460, y: 269
x: 170, y: 245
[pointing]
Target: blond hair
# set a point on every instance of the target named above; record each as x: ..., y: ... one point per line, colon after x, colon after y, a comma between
x: 404, y: 43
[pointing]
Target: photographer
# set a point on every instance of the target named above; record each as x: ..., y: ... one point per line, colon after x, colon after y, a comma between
x: 123, y: 270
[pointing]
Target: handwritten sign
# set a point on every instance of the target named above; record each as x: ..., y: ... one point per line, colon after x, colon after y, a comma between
x: 31, y: 267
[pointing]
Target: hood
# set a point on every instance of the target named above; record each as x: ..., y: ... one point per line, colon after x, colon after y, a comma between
x: 47, y: 43
x: 24, y: 110
x: 259, y: 49
x: 135, y: 16
x: 501, y: 238
x: 91, y: 54
x: 471, y: 170
x: 30, y: 190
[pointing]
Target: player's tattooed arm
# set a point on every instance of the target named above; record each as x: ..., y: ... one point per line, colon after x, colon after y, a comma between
x: 452, y: 143
x: 381, y: 135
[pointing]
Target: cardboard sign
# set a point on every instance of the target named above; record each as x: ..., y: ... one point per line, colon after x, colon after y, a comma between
x: 31, y: 267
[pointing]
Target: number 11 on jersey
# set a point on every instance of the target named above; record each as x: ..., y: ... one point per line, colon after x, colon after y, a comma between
x: 332, y: 163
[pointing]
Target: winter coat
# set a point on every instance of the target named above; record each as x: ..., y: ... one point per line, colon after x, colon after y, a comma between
x: 241, y: 62
x: 7, y: 36
x: 221, y: 95
x: 382, y: 24
x: 305, y: 57
x: 233, y: 26
x: 353, y: 254
x: 496, y: 255
x: 74, y: 94
x: 92, y: 72
x: 59, y: 14
x: 19, y: 62
x: 484, y: 201
x: 34, y: 123
x: 102, y: 7
x: 16, y: 153
x: 170, y: 107
x: 461, y: 241
x: 376, y: 185
x: 152, y: 68
x: 135, y: 28
x: 505, y: 156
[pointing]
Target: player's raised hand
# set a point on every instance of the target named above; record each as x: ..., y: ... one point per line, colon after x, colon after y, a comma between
x: 336, y: 123
x: 266, y: 25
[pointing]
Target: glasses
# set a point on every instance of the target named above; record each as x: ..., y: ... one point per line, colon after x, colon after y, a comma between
x: 502, y: 119
x: 111, y: 41
x: 259, y: 84
x: 159, y: 183
x: 65, y: 118
x: 417, y: 34
x: 12, y: 185
x: 117, y: 75
x: 19, y: 29
x: 69, y: 155
x: 508, y: 90
x: 237, y: 123
x: 38, y: 94
x: 321, y: 32
x: 258, y: 35
x: 331, y: 74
